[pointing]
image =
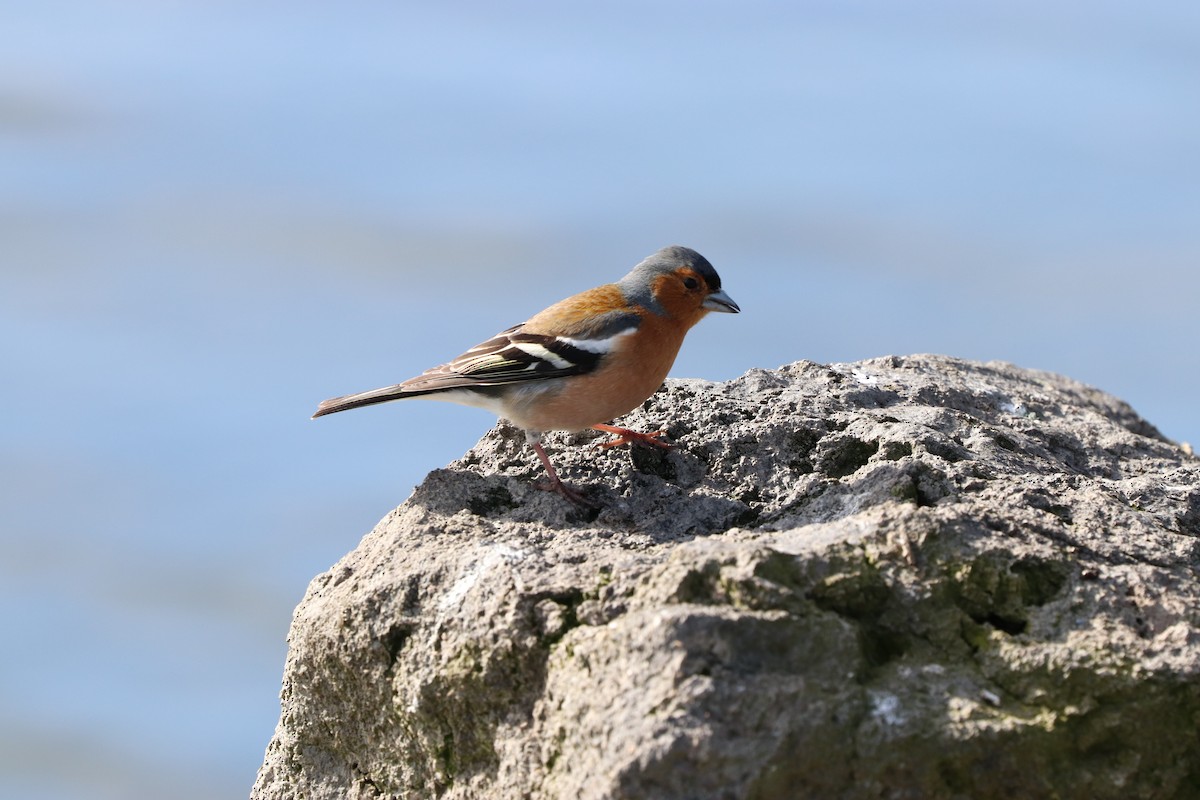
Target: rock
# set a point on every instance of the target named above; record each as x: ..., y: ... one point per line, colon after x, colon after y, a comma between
x: 907, y: 577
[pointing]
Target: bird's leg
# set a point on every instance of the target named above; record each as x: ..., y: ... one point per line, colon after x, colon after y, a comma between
x: 555, y: 483
x: 626, y: 436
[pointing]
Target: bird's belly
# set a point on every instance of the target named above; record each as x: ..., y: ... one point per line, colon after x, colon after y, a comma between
x: 589, y: 400
x: 470, y: 397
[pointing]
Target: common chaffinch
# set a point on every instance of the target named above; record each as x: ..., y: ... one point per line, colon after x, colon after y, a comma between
x: 581, y: 362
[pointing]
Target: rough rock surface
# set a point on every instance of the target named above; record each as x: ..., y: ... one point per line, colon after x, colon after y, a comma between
x: 907, y: 577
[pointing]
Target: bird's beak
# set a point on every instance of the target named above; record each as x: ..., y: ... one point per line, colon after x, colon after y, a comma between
x: 719, y: 301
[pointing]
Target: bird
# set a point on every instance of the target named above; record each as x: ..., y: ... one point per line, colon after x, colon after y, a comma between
x: 580, y: 363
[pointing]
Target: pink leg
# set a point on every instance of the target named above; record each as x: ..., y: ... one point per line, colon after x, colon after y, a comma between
x: 626, y: 436
x: 555, y: 484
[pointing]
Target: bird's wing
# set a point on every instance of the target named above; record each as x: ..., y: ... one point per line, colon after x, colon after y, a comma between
x: 518, y: 355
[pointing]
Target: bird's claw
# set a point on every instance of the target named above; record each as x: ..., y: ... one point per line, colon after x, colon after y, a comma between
x: 626, y: 436
x: 573, y: 495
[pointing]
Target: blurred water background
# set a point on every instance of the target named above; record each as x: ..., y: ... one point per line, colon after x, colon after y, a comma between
x: 215, y: 214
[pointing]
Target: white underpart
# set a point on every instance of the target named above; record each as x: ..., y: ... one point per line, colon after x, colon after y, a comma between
x: 469, y: 397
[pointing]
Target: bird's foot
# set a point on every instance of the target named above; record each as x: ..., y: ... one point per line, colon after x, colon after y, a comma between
x: 554, y: 484
x: 558, y: 487
x: 626, y: 436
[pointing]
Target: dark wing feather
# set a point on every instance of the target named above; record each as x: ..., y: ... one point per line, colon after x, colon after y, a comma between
x: 510, y: 357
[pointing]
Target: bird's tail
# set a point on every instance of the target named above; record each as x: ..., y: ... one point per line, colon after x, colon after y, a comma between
x: 384, y: 395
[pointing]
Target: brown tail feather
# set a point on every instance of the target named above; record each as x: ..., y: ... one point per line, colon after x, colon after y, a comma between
x: 385, y: 395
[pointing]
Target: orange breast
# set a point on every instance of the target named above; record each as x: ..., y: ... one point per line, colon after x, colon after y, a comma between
x: 631, y: 372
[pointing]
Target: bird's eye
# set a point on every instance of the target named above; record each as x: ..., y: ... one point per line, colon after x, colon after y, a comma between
x: 691, y: 283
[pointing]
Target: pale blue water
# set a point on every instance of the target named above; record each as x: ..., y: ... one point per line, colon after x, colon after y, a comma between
x: 214, y: 215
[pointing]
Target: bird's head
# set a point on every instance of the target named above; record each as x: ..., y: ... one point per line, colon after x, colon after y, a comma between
x: 679, y: 283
